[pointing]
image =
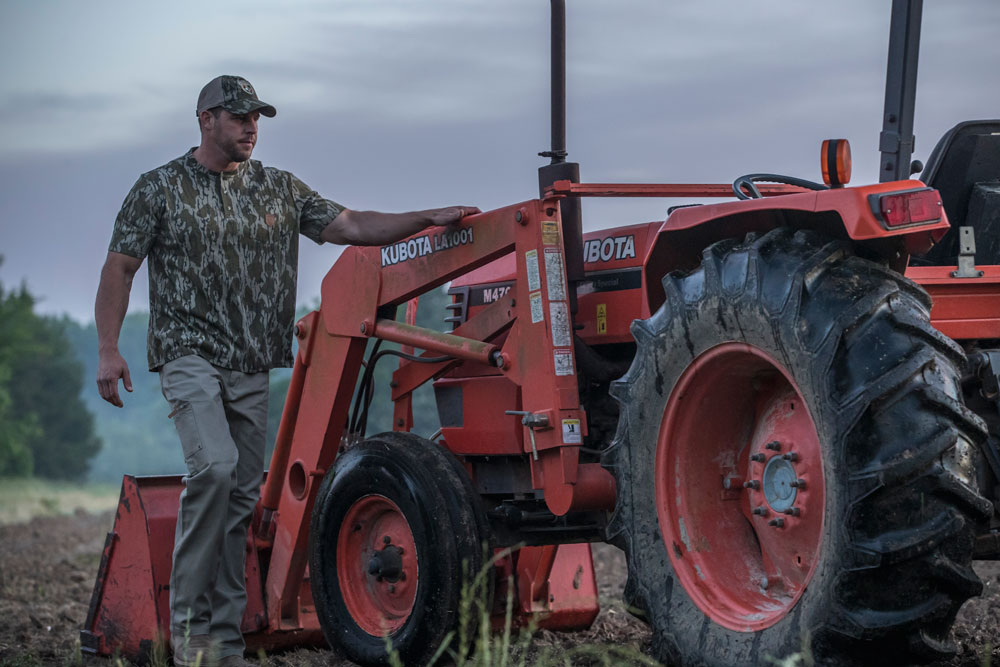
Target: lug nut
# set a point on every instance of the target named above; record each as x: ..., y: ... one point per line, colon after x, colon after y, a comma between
x: 759, y: 511
x: 774, y: 446
x: 777, y: 523
x: 791, y: 456
x: 793, y: 511
x: 799, y: 484
x: 751, y: 484
x: 757, y: 457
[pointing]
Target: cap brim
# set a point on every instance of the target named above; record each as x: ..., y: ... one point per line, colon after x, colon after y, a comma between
x: 265, y: 110
x: 248, y: 106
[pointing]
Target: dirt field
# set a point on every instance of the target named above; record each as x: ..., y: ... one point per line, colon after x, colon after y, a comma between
x: 47, y: 569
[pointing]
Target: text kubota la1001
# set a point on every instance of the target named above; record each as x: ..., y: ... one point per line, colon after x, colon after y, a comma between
x: 785, y: 409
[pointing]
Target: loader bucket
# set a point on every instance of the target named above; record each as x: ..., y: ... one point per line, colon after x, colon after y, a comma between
x: 129, y: 609
x: 130, y: 606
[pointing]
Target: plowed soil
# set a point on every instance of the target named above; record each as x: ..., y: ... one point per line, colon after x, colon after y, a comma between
x: 47, y: 569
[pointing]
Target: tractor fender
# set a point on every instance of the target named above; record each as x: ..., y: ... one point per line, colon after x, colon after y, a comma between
x: 840, y: 213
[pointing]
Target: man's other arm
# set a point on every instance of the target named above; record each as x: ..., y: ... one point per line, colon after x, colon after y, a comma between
x: 109, y: 313
x: 375, y: 228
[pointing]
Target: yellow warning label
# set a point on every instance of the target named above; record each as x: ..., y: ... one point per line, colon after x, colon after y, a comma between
x: 602, y: 318
x: 550, y: 233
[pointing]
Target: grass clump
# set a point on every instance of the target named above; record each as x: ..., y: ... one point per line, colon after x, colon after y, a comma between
x: 474, y: 643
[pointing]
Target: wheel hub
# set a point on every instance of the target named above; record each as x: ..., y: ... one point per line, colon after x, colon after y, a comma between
x: 386, y: 564
x: 778, y: 484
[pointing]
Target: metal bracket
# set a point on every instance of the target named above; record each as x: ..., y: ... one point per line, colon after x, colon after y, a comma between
x: 966, y: 255
x: 532, y: 421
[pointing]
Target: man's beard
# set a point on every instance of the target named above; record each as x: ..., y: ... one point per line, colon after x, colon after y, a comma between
x: 235, y: 152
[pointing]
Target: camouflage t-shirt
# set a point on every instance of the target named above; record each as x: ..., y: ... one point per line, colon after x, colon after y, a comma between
x: 223, y: 256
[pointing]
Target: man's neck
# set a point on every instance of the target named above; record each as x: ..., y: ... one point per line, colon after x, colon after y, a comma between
x: 213, y: 159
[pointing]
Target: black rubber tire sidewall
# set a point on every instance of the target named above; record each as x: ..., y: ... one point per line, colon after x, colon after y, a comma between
x: 445, y: 531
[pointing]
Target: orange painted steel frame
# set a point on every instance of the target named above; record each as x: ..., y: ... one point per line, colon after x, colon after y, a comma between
x: 536, y: 355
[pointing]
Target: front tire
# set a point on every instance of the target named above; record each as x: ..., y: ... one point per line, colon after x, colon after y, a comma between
x: 396, y: 533
x: 814, y: 378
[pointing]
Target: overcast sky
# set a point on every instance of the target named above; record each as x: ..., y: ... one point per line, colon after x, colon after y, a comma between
x: 401, y: 104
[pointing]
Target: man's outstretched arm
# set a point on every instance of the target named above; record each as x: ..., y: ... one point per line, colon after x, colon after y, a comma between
x: 109, y: 313
x: 375, y: 228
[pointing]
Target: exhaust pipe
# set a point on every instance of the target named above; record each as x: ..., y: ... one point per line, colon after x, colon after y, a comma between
x: 558, y: 169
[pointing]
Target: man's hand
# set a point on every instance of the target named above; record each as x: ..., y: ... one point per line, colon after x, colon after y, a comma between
x: 452, y: 214
x: 110, y: 369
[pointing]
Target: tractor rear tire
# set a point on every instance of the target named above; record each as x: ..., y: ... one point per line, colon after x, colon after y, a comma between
x: 754, y: 528
x: 397, y: 532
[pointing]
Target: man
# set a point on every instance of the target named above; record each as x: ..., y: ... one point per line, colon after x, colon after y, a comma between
x: 220, y: 231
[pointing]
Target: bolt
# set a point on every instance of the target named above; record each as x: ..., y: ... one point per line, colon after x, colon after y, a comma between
x: 791, y: 456
x: 760, y: 511
x: 774, y: 446
x: 793, y: 511
x: 757, y: 457
x: 732, y: 481
x: 518, y: 217
x: 392, y: 588
x: 386, y: 540
x: 764, y: 583
x: 752, y: 484
x: 364, y: 327
x: 799, y: 484
x: 777, y: 523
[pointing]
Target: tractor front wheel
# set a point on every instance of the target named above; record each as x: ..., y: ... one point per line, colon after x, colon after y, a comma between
x: 793, y: 462
x: 396, y: 533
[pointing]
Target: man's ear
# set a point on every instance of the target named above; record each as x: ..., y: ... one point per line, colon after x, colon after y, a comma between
x: 206, y: 119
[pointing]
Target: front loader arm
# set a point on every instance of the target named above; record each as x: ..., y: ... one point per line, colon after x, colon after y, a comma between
x: 537, y: 355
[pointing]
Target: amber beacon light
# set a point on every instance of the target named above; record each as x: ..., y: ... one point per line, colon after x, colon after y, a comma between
x: 836, y: 159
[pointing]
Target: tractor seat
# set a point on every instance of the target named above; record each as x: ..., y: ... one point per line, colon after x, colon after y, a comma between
x: 965, y: 168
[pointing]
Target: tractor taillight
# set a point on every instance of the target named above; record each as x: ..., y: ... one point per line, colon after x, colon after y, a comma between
x: 916, y: 207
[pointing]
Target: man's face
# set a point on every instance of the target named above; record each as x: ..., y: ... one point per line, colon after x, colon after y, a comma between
x: 234, y: 136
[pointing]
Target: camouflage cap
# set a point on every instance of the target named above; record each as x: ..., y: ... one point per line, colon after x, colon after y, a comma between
x: 234, y: 94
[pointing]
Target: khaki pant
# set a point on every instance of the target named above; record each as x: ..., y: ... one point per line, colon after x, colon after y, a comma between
x: 221, y: 418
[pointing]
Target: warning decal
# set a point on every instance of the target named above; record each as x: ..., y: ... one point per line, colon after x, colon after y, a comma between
x: 554, y: 274
x: 537, y: 314
x: 531, y: 266
x: 572, y: 435
x: 550, y: 232
x: 563, y: 362
x: 562, y: 336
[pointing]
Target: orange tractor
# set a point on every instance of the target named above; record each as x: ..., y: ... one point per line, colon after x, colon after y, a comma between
x: 785, y: 409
